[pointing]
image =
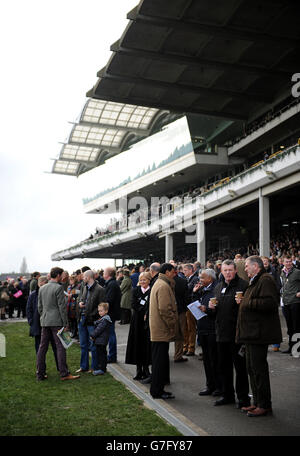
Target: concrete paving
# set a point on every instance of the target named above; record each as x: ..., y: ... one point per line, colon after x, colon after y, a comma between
x: 187, y: 379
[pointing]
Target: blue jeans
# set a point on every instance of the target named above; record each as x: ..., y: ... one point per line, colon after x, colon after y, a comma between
x: 112, y: 344
x: 87, y: 344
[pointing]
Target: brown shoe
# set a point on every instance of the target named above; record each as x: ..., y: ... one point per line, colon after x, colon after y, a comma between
x: 248, y: 409
x: 259, y: 412
x: 70, y: 377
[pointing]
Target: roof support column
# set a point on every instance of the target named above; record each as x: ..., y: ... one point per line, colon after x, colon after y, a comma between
x: 264, y: 225
x: 200, y: 234
x: 169, y: 250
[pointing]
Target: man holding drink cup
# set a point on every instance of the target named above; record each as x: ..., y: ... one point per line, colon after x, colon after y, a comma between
x: 203, y: 292
x: 258, y: 326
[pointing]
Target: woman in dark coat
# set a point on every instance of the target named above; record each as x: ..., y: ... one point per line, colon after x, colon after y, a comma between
x: 138, y: 345
x: 12, y: 303
x: 4, y: 299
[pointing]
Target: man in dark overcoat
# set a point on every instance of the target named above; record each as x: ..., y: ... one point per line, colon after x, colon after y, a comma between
x: 229, y: 353
x: 258, y: 326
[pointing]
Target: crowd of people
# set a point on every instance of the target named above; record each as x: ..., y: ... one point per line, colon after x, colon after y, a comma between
x: 237, y: 301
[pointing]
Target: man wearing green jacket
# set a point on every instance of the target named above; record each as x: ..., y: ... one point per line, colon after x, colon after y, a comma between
x: 290, y: 277
x: 53, y: 311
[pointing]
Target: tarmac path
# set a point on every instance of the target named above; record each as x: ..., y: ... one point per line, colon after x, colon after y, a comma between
x: 201, y: 416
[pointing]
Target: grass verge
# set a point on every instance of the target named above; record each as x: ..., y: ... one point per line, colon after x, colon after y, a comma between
x: 89, y: 406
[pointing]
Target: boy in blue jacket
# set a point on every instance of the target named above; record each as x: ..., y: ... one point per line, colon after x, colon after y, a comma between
x: 100, y: 337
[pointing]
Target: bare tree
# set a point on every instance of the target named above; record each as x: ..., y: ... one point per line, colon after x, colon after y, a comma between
x: 23, y: 268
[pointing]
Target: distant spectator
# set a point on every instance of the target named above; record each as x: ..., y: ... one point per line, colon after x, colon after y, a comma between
x: 290, y: 277
x: 34, y: 281
x: 135, y: 277
x: 240, y: 267
x: 113, y: 297
x: 191, y: 329
x: 126, y: 295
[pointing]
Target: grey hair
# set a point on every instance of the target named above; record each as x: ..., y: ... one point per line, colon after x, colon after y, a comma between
x: 209, y: 272
x: 229, y: 263
x: 89, y: 273
x: 256, y: 259
x: 189, y: 266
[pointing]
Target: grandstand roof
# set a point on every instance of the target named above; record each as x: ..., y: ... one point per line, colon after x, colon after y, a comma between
x: 104, y: 129
x: 228, y: 59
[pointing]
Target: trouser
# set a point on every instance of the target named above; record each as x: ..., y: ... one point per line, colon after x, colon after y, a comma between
x: 160, y: 367
x: 179, y: 342
x: 102, y: 357
x: 112, y: 343
x: 87, y: 344
x: 73, y: 327
x: 11, y: 308
x: 190, y: 333
x: 229, y: 357
x: 21, y: 307
x: 258, y: 370
x: 47, y: 333
x: 292, y: 317
x: 210, y: 361
x: 37, y: 341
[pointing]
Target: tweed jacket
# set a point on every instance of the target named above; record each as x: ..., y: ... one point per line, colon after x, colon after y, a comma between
x: 163, y: 316
x: 290, y: 286
x: 52, y: 305
x: 126, y: 293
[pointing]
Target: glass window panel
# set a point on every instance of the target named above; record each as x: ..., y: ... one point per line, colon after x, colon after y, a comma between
x: 66, y: 167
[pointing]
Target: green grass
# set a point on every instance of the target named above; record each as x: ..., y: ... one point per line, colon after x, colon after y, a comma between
x: 89, y: 406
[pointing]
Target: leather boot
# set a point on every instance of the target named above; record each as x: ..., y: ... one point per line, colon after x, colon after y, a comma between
x: 146, y: 372
x: 139, y: 373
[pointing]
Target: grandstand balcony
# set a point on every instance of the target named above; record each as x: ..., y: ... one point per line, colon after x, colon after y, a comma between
x: 263, y: 178
x: 170, y: 159
x: 268, y: 130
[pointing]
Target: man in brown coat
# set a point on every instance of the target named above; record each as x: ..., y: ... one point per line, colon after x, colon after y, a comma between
x: 163, y: 321
x: 258, y: 326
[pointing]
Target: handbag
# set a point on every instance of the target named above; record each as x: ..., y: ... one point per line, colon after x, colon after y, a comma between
x: 18, y: 294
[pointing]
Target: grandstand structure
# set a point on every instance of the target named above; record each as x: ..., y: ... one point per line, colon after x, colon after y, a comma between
x: 198, y: 106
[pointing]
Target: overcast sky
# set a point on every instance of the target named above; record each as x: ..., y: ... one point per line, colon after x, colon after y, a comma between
x: 50, y: 54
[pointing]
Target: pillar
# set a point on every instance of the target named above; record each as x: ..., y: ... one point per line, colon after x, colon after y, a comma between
x: 264, y: 225
x: 200, y: 236
x: 169, y: 251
